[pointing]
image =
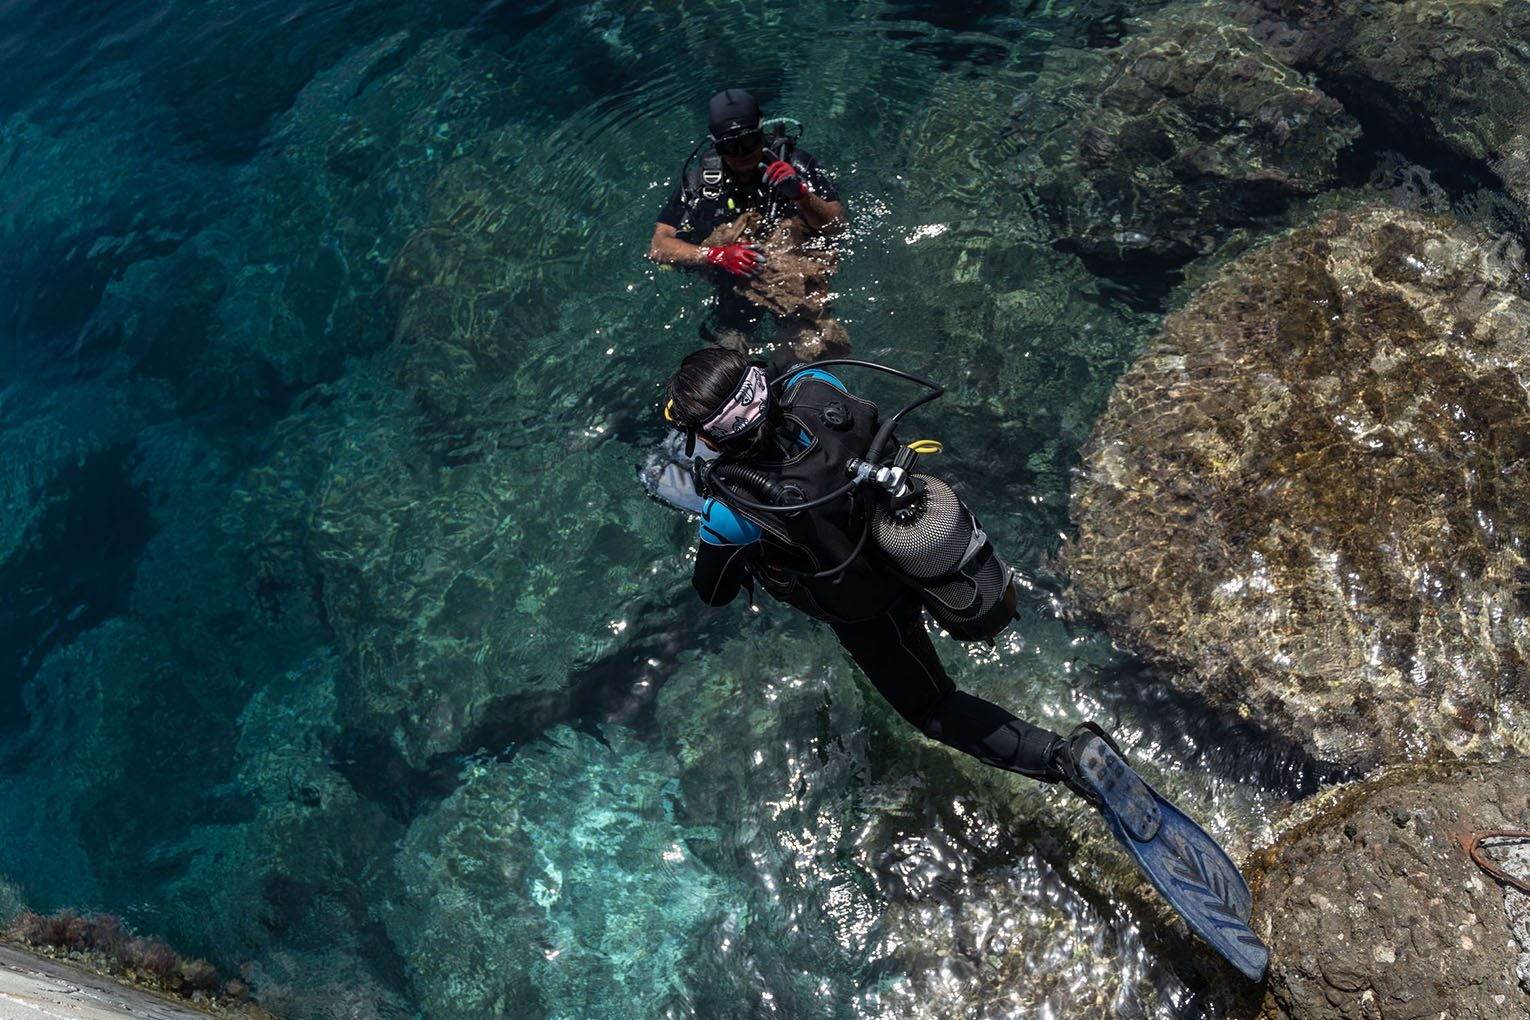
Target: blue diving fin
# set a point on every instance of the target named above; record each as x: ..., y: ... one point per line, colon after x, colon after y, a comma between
x: 1184, y: 864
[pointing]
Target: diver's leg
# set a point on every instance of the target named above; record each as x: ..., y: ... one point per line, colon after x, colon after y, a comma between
x: 733, y: 322
x: 1194, y: 874
x: 997, y: 737
x: 801, y: 340
x: 896, y: 654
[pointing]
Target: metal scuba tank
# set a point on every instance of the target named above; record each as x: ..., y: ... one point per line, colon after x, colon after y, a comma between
x: 937, y: 543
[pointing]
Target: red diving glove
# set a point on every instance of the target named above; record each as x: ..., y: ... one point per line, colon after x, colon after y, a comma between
x: 738, y: 259
x: 782, y: 177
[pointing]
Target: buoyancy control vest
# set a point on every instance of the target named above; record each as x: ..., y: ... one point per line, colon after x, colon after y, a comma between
x: 838, y: 427
x: 712, y: 196
x: 819, y: 558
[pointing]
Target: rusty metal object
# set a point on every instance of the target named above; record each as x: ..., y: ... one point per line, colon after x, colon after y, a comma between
x: 1473, y: 845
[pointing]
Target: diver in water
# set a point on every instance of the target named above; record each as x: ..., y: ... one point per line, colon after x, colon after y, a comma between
x: 812, y: 498
x: 741, y: 169
x: 804, y: 438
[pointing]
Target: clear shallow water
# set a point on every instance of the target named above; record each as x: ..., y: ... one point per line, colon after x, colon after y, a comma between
x: 346, y: 649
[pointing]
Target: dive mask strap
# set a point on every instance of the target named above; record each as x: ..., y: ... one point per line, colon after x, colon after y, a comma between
x: 743, y: 410
x: 690, y: 433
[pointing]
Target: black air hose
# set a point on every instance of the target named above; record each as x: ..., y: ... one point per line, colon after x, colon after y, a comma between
x: 760, y: 481
x: 777, y: 500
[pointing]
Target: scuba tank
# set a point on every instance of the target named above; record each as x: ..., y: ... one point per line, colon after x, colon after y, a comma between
x: 920, y: 526
x: 937, y: 542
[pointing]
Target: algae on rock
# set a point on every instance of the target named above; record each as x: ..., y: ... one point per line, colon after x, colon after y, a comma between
x: 1310, y: 495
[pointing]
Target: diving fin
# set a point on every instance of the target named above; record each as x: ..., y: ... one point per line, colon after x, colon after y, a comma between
x: 1188, y: 867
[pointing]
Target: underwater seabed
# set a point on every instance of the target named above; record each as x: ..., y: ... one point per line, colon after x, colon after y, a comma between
x: 348, y: 652
x: 784, y: 834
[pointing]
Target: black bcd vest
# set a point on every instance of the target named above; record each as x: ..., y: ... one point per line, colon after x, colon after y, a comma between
x: 712, y: 196
x: 839, y: 427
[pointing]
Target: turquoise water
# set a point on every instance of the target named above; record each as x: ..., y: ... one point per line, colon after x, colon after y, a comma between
x: 341, y: 644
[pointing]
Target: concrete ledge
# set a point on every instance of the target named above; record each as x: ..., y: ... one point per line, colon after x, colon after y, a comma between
x: 36, y: 987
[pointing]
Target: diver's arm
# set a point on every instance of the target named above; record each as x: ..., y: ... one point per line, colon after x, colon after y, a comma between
x: 740, y: 259
x: 719, y: 571
x: 805, y: 184
x: 821, y: 216
x: 667, y: 249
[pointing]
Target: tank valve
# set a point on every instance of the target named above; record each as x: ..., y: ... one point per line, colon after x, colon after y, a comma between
x: 896, y: 479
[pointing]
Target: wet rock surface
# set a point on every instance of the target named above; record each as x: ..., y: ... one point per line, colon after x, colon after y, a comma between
x: 36, y: 987
x: 1191, y: 127
x: 1309, y: 495
x: 1515, y: 861
x: 1373, y: 908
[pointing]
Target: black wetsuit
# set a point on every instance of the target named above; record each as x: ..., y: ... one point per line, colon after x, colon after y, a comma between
x: 696, y: 207
x: 877, y: 617
x: 894, y: 650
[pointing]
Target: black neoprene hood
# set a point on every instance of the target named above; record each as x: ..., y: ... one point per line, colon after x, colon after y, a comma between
x: 732, y: 111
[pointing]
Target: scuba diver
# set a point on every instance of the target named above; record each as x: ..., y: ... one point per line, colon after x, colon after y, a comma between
x: 740, y: 174
x: 812, y: 498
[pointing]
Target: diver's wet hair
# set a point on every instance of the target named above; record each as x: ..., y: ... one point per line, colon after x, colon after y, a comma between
x: 706, y: 379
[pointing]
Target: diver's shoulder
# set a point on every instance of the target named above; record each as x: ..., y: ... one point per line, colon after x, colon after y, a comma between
x: 722, y: 525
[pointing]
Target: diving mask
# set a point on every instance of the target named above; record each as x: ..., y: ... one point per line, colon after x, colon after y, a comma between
x: 741, y: 144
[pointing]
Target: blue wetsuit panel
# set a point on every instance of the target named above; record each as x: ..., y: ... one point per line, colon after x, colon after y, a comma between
x: 719, y: 524
x: 816, y: 373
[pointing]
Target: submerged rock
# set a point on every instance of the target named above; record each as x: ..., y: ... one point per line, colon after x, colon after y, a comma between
x: 1439, y: 74
x: 1373, y: 907
x: 466, y: 598
x: 859, y: 844
x: 773, y: 758
x: 556, y: 884
x: 475, y: 539
x: 1189, y: 129
x: 1310, y: 495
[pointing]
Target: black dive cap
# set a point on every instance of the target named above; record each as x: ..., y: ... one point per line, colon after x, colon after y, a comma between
x: 732, y: 111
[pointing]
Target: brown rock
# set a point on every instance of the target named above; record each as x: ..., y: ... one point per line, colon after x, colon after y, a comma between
x: 1373, y: 908
x: 1311, y: 493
